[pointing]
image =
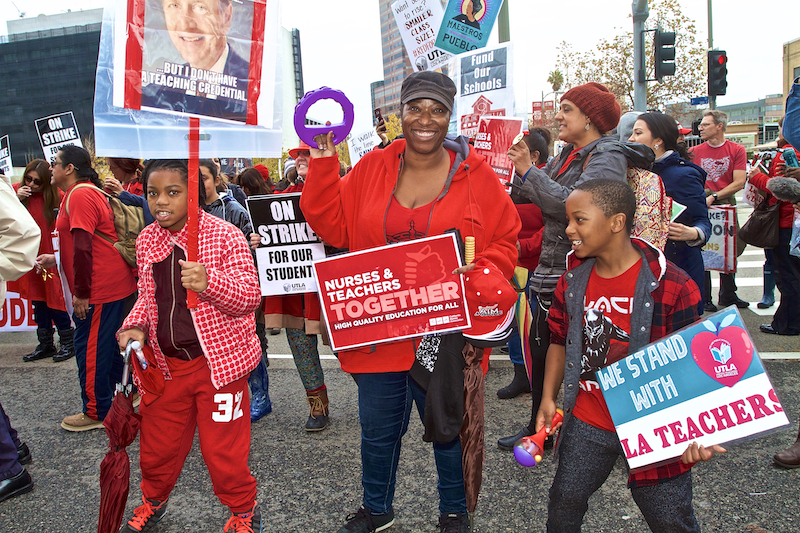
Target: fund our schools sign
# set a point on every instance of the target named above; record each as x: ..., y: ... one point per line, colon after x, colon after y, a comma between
x: 392, y: 292
x: 288, y: 245
x: 55, y: 132
x: 703, y: 383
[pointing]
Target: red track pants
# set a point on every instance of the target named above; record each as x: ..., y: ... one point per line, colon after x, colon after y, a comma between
x: 223, y: 418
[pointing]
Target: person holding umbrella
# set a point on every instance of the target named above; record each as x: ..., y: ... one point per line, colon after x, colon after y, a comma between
x: 205, y: 355
x: 422, y: 185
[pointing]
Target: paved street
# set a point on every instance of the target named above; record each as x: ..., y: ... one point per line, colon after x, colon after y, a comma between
x: 309, y: 482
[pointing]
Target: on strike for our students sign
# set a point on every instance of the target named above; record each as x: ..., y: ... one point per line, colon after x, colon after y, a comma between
x: 5, y: 157
x: 703, y: 383
x: 288, y: 245
x: 56, y: 131
x: 392, y: 292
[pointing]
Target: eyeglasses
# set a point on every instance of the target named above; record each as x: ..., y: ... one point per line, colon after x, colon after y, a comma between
x: 35, y: 181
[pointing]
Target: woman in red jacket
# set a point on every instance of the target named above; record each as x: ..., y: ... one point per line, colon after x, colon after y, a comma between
x: 43, y: 289
x: 422, y: 185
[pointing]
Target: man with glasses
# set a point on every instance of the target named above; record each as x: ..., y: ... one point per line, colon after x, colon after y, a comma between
x: 725, y: 162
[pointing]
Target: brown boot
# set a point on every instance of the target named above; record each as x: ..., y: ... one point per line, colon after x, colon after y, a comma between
x: 790, y: 457
x: 318, y: 418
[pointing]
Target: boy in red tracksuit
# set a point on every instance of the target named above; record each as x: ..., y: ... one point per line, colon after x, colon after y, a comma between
x: 205, y: 354
x: 623, y: 296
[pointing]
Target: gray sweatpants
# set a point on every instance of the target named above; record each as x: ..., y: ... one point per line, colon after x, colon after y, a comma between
x: 586, y: 456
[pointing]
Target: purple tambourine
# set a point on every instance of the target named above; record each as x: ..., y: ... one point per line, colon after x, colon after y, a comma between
x: 340, y: 131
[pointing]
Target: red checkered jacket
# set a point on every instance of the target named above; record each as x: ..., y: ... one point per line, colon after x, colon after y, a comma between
x: 224, y: 319
x: 665, y: 300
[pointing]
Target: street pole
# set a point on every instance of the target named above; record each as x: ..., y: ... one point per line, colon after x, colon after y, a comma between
x: 503, y: 26
x: 712, y: 99
x: 640, y: 13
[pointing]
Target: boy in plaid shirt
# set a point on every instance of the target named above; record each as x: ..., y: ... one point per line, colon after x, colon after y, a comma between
x: 593, y: 325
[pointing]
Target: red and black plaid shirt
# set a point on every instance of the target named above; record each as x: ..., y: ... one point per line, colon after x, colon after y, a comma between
x: 675, y: 302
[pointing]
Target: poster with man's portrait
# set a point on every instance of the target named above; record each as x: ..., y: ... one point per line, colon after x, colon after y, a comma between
x: 196, y: 56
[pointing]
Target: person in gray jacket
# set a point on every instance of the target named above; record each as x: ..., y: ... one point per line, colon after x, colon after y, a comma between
x: 587, y: 113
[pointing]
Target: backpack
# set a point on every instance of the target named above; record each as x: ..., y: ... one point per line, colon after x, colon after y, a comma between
x: 653, y: 207
x: 128, y: 223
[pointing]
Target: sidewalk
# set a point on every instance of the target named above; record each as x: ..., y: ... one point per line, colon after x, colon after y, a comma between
x: 309, y: 482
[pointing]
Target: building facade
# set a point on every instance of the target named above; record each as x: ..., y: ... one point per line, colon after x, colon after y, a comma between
x: 396, y: 64
x: 49, y: 66
x: 791, y: 64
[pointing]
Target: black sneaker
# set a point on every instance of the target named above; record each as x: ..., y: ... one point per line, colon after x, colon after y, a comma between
x: 363, y: 521
x: 249, y: 522
x: 738, y: 302
x: 709, y: 307
x: 24, y: 454
x: 146, y: 516
x: 455, y: 523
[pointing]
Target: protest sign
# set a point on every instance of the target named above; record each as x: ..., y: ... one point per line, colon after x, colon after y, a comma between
x: 484, y: 87
x: 392, y: 292
x: 56, y: 131
x: 752, y: 195
x: 231, y: 166
x: 418, y: 21
x: 6, y: 167
x: 704, y: 383
x: 719, y: 253
x: 288, y: 245
x: 467, y: 24
x: 362, y: 143
x: 16, y: 314
x: 495, y: 136
x: 151, y: 78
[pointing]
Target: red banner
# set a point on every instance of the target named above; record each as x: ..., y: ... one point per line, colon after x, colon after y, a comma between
x: 392, y: 292
x: 495, y: 136
x: 537, y: 114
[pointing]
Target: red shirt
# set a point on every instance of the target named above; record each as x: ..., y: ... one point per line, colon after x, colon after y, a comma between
x: 112, y: 278
x: 720, y: 162
x: 608, y: 305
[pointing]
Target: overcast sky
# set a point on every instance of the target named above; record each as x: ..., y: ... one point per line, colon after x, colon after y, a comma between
x: 341, y: 40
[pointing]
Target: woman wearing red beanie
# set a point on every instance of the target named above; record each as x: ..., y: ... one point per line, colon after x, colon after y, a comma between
x: 587, y: 113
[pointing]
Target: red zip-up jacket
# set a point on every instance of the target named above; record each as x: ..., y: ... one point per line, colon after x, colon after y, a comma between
x: 224, y: 319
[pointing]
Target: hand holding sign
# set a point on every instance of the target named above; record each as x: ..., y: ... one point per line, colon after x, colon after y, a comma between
x: 309, y: 134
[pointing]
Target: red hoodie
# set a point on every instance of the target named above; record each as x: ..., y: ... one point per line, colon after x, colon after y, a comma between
x: 350, y: 212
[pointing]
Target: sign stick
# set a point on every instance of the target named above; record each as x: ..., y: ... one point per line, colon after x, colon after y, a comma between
x: 193, y: 214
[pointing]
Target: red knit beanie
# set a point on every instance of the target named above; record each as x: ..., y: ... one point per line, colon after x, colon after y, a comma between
x: 264, y: 171
x: 597, y: 103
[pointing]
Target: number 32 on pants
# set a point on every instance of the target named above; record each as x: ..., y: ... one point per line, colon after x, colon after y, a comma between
x: 229, y: 408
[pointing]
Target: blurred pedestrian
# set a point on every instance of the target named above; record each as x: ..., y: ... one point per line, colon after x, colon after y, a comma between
x: 19, y: 244
x: 43, y: 288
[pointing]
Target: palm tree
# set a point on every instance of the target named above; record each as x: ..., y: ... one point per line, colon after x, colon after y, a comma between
x: 556, y: 80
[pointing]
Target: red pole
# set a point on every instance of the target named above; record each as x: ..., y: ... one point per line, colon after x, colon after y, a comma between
x: 193, y: 213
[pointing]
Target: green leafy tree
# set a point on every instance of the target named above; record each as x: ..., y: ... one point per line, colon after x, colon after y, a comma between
x: 556, y: 80
x: 611, y: 61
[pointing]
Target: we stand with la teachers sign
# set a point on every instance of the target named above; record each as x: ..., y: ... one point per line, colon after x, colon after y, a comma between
x: 703, y: 383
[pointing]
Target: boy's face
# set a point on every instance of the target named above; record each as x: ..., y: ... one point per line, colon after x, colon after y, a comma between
x: 167, y: 197
x: 589, y: 229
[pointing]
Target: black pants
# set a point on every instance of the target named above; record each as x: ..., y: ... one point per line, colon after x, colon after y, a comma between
x: 727, y: 288
x: 786, y: 269
x: 540, y: 343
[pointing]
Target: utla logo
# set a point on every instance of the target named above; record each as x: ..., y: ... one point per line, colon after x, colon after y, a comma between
x: 723, y: 353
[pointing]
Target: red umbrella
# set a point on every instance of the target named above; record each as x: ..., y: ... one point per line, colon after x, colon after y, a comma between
x: 122, y: 425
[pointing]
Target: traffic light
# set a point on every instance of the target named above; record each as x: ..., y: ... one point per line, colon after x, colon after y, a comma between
x: 717, y: 72
x: 664, y: 49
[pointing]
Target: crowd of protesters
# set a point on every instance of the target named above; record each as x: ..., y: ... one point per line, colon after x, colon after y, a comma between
x: 566, y: 227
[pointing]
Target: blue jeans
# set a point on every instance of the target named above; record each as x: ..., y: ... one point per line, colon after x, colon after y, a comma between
x: 384, y: 407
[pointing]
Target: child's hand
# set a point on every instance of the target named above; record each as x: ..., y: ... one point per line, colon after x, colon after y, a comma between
x: 695, y: 453
x: 544, y: 418
x: 193, y: 276
x: 133, y: 334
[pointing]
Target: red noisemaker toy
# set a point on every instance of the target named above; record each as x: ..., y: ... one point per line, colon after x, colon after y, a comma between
x: 528, y: 450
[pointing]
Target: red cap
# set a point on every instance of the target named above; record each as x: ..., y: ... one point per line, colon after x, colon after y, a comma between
x: 294, y: 152
x: 684, y: 131
x: 264, y: 171
x: 490, y: 301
